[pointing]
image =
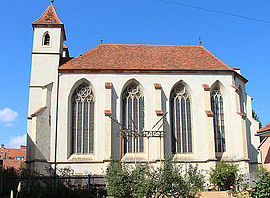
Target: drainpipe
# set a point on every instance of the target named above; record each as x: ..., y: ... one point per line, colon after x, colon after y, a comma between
x: 56, y: 126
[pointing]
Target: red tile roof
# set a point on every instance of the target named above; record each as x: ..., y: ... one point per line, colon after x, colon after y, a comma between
x: 146, y: 57
x: 206, y: 87
x: 159, y: 112
x: 49, y: 17
x: 265, y: 128
x: 209, y: 113
x: 157, y: 86
x: 8, y: 156
x: 38, y: 111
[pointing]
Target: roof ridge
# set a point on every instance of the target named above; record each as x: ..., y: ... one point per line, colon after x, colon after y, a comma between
x: 151, y: 45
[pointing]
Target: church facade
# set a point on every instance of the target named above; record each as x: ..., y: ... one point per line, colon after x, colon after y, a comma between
x: 196, y: 100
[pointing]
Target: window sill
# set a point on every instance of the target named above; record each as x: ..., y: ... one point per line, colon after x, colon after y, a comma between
x: 81, y: 156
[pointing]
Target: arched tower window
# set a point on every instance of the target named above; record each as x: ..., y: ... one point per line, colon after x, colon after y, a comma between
x: 47, y: 39
x: 133, y: 111
x: 218, y: 119
x: 83, y: 119
x: 181, y: 129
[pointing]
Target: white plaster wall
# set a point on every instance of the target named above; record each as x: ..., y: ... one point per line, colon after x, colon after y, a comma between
x: 234, y: 144
x: 55, y: 37
x: 44, y: 72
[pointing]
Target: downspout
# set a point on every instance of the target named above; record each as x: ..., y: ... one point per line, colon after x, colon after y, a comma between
x: 56, y: 126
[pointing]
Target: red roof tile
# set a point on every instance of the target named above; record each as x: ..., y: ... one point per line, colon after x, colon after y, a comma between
x: 38, y: 111
x: 159, y: 112
x: 50, y: 17
x: 206, y: 87
x: 209, y: 113
x: 108, y: 84
x: 157, y: 86
x: 265, y: 128
x: 236, y: 88
x: 146, y: 57
x: 108, y: 112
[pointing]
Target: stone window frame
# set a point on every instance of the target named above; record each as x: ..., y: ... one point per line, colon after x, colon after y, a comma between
x: 140, y: 143
x: 182, y: 92
x: 217, y: 100
x: 74, y: 148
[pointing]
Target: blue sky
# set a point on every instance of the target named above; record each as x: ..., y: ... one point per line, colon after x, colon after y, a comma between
x: 237, y: 42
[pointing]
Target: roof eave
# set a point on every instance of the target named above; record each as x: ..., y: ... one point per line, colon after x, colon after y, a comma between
x: 263, y: 133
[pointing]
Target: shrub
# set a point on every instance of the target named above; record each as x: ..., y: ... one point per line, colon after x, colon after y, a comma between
x: 224, y: 175
x: 143, y: 181
x: 262, y: 187
x: 118, y: 180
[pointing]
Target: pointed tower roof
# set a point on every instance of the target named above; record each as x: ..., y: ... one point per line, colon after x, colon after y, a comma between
x: 50, y: 19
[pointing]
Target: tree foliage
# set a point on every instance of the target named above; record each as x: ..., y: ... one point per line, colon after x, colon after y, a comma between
x: 262, y: 187
x: 145, y: 181
x: 224, y: 175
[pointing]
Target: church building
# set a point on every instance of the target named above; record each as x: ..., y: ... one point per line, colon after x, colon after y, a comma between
x: 81, y: 109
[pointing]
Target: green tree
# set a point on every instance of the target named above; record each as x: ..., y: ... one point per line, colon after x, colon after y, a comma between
x: 224, y: 175
x: 118, y: 180
x: 262, y: 187
x: 144, y: 181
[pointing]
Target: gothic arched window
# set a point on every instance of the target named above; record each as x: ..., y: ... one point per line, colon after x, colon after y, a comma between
x: 46, y: 39
x: 218, y: 119
x: 241, y: 100
x: 181, y: 129
x: 133, y: 111
x: 83, y: 119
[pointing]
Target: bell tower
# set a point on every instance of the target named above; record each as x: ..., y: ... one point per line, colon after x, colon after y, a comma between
x: 49, y: 35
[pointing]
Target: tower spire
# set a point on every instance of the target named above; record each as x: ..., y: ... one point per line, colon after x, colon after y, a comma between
x: 52, y: 2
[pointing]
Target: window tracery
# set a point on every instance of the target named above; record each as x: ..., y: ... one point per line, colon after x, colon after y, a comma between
x: 181, y: 129
x: 133, y: 109
x: 218, y: 119
x: 83, y: 119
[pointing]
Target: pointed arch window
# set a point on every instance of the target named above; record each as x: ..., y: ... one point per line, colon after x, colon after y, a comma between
x: 181, y: 129
x: 133, y: 111
x: 241, y: 100
x: 83, y: 119
x: 218, y: 119
x: 46, y: 39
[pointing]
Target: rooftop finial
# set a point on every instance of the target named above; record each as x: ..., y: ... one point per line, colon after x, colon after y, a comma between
x: 200, y: 41
x: 52, y: 2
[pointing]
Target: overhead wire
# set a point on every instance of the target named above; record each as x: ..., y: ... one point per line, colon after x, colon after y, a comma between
x: 214, y: 11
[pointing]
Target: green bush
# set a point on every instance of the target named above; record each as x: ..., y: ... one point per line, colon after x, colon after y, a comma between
x: 144, y: 181
x: 224, y: 175
x: 118, y: 178
x: 262, y: 187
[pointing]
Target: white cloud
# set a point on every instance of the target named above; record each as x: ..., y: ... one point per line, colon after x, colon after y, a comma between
x: 7, y: 116
x: 17, y: 141
x: 9, y: 124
